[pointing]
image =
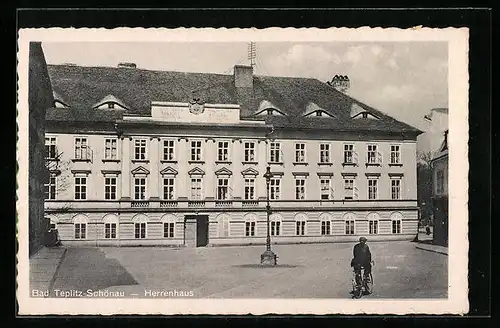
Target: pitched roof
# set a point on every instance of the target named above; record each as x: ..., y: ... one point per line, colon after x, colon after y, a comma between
x: 82, y: 87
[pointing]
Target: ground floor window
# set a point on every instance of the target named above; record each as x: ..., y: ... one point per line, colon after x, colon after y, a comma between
x: 396, y: 226
x: 80, y: 230
x: 275, y: 228
x: 110, y: 230
x: 140, y: 230
x: 300, y: 228
x: 325, y: 228
x: 373, y: 227
x: 349, y: 227
x: 168, y: 229
x: 250, y: 228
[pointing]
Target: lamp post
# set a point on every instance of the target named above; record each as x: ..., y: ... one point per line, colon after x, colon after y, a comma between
x: 268, y: 257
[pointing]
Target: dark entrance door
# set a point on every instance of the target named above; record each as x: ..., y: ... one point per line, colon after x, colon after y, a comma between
x: 201, y: 230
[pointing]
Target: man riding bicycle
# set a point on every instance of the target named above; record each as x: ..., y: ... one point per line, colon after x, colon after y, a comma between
x: 362, y: 259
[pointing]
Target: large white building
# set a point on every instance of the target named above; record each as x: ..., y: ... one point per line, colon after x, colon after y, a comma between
x: 171, y: 158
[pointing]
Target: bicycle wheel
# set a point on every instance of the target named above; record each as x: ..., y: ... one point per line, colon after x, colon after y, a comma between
x: 369, y: 284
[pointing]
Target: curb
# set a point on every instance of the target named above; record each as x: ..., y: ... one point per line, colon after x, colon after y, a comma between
x: 51, y: 282
x: 431, y: 250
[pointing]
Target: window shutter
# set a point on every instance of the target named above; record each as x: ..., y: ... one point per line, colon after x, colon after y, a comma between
x: 356, y: 193
x: 355, y: 157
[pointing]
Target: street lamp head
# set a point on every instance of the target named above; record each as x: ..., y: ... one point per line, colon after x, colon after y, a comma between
x: 268, y: 175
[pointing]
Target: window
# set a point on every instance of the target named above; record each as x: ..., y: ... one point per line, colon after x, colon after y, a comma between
x: 300, y: 188
x: 250, y: 151
x: 326, y: 190
x: 396, y: 226
x: 50, y: 188
x: 395, y: 188
x: 168, y: 188
x: 372, y: 188
x: 275, y: 152
x: 300, y: 153
x: 223, y: 151
x: 249, y: 188
x: 222, y: 188
x: 348, y: 188
x: 81, y: 151
x: 139, y: 188
x: 196, y: 150
x: 80, y: 188
x: 325, y: 228
x: 373, y: 227
x: 324, y: 153
x: 50, y: 148
x: 439, y: 182
x: 80, y: 230
x: 109, y: 187
x: 395, y: 154
x: 348, y: 154
x: 349, y: 227
x: 140, y: 230
x: 275, y: 228
x: 372, y: 154
x: 110, y: 230
x: 275, y: 188
x: 300, y: 228
x: 168, y: 150
x: 250, y: 228
x: 111, y: 105
x: 110, y: 149
x: 140, y: 149
x: 196, y: 189
x: 168, y: 229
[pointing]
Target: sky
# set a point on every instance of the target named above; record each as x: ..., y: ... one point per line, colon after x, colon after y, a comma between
x: 403, y: 79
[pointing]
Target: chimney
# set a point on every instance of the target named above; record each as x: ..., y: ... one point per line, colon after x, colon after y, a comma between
x: 127, y: 65
x: 243, y: 76
x: 341, y: 83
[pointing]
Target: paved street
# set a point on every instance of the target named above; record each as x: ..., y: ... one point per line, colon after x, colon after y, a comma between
x: 309, y: 271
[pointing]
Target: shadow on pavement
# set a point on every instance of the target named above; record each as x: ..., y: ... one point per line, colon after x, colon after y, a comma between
x: 89, y: 268
x: 259, y: 266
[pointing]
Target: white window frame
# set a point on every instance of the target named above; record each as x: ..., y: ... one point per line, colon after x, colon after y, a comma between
x: 223, y: 150
x: 250, y: 227
x: 219, y: 187
x: 299, y: 186
x: 349, y: 153
x: 192, y: 179
x: 395, y: 154
x: 325, y: 153
x: 373, y: 229
x: 400, y: 192
x: 196, y: 150
x: 106, y: 185
x: 275, y: 227
x: 141, y: 149
x: 326, y: 227
x: 50, y: 188
x: 396, y: 229
x: 275, y: 152
x: 329, y: 193
x: 80, y: 185
x: 108, y: 227
x: 170, y: 225
x: 171, y: 192
x: 81, y: 148
x: 143, y: 195
x: 300, y: 152
x: 374, y: 185
x: 301, y: 226
x: 275, y: 188
x: 168, y: 149
x: 345, y: 187
x: 351, y: 223
x: 50, y: 147
x: 249, y: 182
x: 370, y: 150
x: 250, y: 153
x: 109, y: 148
x: 141, y: 224
x: 78, y: 224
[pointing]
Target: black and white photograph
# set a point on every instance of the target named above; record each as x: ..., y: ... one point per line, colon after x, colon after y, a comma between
x: 263, y: 167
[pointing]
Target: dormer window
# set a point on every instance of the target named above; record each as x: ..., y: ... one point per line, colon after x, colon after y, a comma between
x: 111, y: 105
x: 110, y: 102
x: 365, y: 115
x: 313, y: 110
x: 59, y: 104
x: 268, y: 108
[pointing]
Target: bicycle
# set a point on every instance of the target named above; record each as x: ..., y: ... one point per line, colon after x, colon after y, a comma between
x: 365, y: 285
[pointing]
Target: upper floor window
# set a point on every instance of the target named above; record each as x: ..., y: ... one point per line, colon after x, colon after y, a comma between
x: 395, y: 154
x: 196, y: 150
x: 372, y: 154
x: 80, y: 187
x: 168, y: 150
x: 324, y: 153
x: 275, y: 188
x: 249, y: 188
x: 350, y: 189
x: 395, y: 188
x: 50, y: 148
x: 222, y: 188
x: 326, y: 189
x: 110, y: 188
x: 300, y: 153
x: 349, y: 154
x: 300, y: 188
x: 110, y: 149
x: 140, y: 149
x: 168, y: 188
x: 372, y: 188
x: 196, y: 191
x: 250, y: 151
x: 140, y: 188
x: 81, y: 148
x: 275, y: 152
x: 223, y: 151
x: 50, y: 188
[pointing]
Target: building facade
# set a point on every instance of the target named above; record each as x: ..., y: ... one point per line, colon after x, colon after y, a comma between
x: 170, y: 158
x: 440, y: 193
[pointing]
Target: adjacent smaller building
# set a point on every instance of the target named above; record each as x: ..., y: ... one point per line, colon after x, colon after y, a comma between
x: 439, y: 166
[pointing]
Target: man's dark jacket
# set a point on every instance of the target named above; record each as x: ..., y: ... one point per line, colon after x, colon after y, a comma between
x: 362, y: 254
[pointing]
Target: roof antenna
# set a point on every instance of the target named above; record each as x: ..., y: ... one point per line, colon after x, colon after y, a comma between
x: 252, y: 53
